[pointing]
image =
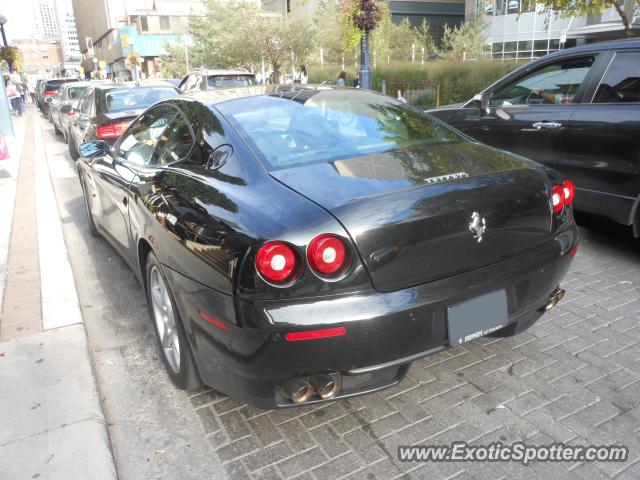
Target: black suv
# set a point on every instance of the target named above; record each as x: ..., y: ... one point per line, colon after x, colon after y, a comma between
x: 578, y: 111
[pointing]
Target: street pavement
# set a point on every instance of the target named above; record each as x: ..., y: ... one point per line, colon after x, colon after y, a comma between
x: 574, y: 378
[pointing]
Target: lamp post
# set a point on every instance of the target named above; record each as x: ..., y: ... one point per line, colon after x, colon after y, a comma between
x: 365, y: 71
x: 3, y: 20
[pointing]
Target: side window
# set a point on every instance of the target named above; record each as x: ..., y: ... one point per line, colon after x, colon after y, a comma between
x: 551, y: 84
x: 87, y: 102
x: 175, y: 142
x: 140, y: 139
x: 621, y: 82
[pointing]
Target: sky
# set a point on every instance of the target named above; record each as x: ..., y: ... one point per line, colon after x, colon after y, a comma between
x: 20, y: 22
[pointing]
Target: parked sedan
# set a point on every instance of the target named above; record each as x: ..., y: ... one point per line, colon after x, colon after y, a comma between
x: 303, y: 245
x: 62, y: 108
x: 578, y: 111
x: 204, y: 79
x: 105, y: 110
x: 48, y: 89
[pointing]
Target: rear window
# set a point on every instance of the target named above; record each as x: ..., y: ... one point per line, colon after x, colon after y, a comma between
x: 56, y: 84
x: 224, y: 81
x: 119, y: 99
x: 330, y: 125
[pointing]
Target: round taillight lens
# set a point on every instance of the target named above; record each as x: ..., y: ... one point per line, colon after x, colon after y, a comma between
x: 327, y: 254
x: 276, y: 261
x: 557, y: 198
x: 569, y: 192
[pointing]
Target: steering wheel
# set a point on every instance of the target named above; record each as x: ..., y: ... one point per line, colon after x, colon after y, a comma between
x: 531, y: 100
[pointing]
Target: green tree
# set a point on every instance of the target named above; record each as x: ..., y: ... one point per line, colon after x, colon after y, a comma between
x: 237, y: 33
x: 464, y: 42
x: 581, y: 8
x: 13, y: 57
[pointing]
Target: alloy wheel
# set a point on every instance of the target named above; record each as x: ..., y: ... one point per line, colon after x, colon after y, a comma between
x: 165, y: 319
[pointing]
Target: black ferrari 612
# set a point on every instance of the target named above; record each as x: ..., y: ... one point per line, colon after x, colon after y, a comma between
x: 309, y: 244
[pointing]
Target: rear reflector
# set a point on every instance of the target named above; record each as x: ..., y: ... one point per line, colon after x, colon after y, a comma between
x: 111, y: 130
x: 214, y: 321
x: 573, y: 251
x: 315, y: 334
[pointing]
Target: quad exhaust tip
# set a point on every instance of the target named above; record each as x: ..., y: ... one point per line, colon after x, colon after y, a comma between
x: 557, y: 296
x: 300, y: 390
x: 326, y: 386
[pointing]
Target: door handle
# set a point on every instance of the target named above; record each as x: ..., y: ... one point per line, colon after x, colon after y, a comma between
x: 125, y: 201
x: 546, y: 125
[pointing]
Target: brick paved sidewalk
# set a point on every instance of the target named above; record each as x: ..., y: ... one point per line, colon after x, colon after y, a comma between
x: 52, y: 421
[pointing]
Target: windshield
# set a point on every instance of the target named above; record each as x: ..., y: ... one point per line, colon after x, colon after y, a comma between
x: 119, y: 99
x: 330, y: 125
x: 74, y: 93
x: 222, y: 81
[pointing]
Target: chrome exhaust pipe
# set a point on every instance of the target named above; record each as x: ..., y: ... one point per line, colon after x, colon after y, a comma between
x: 297, y: 389
x: 557, y: 296
x: 326, y: 385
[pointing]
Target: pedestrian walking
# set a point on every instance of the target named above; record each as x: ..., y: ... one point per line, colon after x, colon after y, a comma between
x: 342, y: 79
x: 303, y: 76
x: 14, y: 97
x: 32, y: 91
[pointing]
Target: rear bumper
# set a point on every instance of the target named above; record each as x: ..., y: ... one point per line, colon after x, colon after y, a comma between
x: 385, y: 331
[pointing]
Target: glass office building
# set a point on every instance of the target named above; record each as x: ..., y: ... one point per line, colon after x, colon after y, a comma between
x: 516, y: 32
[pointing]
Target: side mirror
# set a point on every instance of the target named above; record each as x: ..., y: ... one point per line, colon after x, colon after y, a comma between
x: 96, y: 148
x: 483, y: 100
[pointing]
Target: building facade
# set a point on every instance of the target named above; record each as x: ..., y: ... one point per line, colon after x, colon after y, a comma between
x: 437, y: 13
x: 70, y: 65
x: 110, y: 30
x: 44, y: 17
x: 519, y: 33
x: 40, y: 57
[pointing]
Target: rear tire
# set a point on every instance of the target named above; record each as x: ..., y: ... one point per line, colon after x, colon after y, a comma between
x: 73, y: 150
x: 56, y: 129
x: 170, y: 334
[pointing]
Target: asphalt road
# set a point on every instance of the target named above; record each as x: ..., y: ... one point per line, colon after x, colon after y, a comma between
x: 574, y: 377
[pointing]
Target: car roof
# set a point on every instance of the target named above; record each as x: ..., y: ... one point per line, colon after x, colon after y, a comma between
x: 598, y: 47
x: 215, y: 96
x: 207, y: 71
x: 112, y: 85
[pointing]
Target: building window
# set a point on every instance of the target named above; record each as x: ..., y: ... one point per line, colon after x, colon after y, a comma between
x: 144, y: 24
x: 165, y: 23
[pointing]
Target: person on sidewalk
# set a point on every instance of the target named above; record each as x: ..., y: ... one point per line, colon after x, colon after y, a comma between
x: 14, y: 97
x: 342, y: 79
x: 303, y: 76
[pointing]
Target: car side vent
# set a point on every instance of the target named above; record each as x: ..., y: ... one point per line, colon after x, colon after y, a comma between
x: 219, y: 156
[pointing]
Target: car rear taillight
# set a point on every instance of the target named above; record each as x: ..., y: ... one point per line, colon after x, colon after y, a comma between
x: 569, y: 192
x: 277, y: 262
x: 111, y: 130
x: 557, y: 198
x: 48, y: 93
x: 327, y: 254
x: 71, y: 113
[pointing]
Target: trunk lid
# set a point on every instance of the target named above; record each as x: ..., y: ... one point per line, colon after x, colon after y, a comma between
x: 416, y: 215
